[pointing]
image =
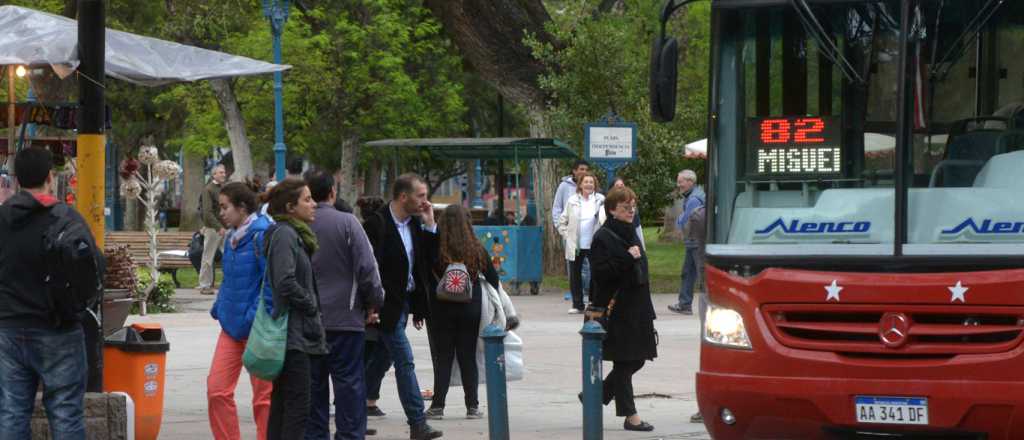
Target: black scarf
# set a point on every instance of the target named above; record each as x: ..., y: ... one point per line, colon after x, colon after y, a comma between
x: 625, y: 230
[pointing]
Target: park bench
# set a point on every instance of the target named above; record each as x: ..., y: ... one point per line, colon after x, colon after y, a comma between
x: 171, y: 246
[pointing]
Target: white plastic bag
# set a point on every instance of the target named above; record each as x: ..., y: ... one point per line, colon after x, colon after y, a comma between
x: 515, y: 369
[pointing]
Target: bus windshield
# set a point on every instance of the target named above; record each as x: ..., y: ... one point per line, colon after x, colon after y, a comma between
x: 805, y: 123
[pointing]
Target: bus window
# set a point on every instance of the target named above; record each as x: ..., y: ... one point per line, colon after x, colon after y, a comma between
x: 805, y: 151
x: 966, y: 195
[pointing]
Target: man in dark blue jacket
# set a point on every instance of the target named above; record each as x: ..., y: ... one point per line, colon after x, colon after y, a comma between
x: 36, y: 346
x: 350, y: 292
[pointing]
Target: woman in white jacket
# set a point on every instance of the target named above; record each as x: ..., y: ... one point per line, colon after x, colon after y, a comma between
x: 582, y: 216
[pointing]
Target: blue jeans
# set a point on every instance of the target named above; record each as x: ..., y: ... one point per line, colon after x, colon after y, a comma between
x: 56, y: 358
x: 343, y: 365
x: 689, y: 278
x: 397, y: 346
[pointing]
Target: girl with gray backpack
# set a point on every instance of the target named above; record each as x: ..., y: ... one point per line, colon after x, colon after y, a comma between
x: 455, y: 308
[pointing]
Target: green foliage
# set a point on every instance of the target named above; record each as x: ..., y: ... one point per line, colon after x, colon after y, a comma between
x: 160, y: 299
x: 602, y: 66
x: 664, y: 263
x: 362, y: 70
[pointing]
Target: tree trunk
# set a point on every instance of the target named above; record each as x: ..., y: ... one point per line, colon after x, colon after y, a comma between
x: 371, y: 184
x: 545, y: 183
x: 224, y: 91
x: 490, y: 35
x: 193, y: 186
x: 349, y: 161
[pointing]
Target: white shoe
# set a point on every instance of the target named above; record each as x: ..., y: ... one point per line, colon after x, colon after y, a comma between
x: 575, y: 311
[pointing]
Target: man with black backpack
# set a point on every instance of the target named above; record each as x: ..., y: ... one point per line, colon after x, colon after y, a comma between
x: 50, y: 273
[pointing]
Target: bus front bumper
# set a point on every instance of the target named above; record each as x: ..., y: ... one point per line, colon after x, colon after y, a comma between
x: 823, y: 408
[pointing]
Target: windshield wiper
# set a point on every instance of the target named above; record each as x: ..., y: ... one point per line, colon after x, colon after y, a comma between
x: 942, y: 68
x: 825, y: 43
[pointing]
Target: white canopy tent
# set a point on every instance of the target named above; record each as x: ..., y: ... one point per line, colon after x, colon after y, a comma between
x: 32, y: 38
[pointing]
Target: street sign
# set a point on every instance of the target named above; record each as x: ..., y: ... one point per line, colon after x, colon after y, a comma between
x: 610, y: 143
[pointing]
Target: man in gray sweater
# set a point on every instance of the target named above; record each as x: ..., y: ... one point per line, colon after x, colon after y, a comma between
x: 350, y: 294
x: 213, y: 228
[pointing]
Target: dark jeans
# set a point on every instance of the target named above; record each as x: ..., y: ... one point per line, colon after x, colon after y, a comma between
x: 378, y: 362
x: 289, y: 403
x: 455, y: 339
x: 55, y: 358
x: 397, y: 345
x: 576, y: 280
x: 689, y: 276
x: 619, y: 386
x: 344, y: 367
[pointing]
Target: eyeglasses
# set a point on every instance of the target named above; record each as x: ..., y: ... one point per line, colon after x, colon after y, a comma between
x: 628, y: 208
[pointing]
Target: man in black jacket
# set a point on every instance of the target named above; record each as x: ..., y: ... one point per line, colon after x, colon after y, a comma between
x: 36, y: 346
x: 404, y: 239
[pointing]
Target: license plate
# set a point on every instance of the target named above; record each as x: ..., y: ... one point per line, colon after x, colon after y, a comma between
x: 892, y: 410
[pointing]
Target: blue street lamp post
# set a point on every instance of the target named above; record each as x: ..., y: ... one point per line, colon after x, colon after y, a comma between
x: 276, y: 12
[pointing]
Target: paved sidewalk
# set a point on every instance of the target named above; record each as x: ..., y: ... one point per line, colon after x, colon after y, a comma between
x: 542, y: 406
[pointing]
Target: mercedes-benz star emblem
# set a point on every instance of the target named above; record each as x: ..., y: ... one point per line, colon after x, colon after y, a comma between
x: 894, y: 330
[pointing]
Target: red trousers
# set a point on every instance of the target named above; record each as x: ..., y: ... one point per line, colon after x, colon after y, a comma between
x: 220, y: 392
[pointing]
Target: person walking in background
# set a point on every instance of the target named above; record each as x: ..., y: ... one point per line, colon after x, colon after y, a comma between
x: 694, y: 198
x: 404, y: 239
x: 42, y: 347
x: 622, y: 294
x: 455, y: 327
x: 350, y: 289
x: 213, y: 228
x: 290, y: 245
x: 566, y: 189
x: 235, y: 310
x: 376, y: 358
x: 582, y: 216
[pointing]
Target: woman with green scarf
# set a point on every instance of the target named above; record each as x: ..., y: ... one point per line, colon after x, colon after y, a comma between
x: 289, y: 247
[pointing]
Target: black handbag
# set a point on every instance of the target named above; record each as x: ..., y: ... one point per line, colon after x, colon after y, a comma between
x: 195, y: 251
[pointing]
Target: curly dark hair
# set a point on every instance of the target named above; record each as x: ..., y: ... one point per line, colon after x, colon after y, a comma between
x: 458, y: 242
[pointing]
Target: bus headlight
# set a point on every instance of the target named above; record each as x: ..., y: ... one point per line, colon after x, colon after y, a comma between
x: 725, y: 327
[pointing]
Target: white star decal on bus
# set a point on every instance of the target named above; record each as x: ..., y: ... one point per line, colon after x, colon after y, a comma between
x: 833, y: 291
x: 958, y: 292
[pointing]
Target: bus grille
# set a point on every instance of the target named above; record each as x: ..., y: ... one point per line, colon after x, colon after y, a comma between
x: 925, y: 331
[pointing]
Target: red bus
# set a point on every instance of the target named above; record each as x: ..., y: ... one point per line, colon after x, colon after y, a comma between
x: 866, y: 220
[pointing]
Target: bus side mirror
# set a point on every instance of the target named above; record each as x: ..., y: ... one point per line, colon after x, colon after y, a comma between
x: 662, y: 82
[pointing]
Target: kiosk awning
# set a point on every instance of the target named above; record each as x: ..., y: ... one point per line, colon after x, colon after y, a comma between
x: 484, y: 148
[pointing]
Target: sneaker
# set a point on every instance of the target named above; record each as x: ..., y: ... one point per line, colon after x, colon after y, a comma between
x: 207, y: 291
x: 474, y: 413
x: 683, y: 310
x: 434, y: 413
x: 423, y: 431
x: 575, y: 311
x: 374, y: 411
x: 697, y: 418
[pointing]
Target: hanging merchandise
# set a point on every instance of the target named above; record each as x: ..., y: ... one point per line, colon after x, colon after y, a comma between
x: 6, y: 188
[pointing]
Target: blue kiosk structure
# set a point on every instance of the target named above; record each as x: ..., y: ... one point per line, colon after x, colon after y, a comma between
x: 516, y: 251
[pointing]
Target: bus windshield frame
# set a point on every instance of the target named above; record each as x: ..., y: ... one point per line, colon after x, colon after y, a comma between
x: 878, y: 209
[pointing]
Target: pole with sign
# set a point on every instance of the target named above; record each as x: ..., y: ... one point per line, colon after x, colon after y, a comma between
x: 610, y: 143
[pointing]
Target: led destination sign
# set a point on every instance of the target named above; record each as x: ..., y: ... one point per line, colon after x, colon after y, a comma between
x: 795, y: 146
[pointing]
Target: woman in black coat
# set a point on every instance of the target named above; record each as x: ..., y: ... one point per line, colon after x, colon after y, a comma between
x: 621, y: 289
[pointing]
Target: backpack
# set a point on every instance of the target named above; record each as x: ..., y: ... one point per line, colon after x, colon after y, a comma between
x: 74, y: 268
x: 455, y: 285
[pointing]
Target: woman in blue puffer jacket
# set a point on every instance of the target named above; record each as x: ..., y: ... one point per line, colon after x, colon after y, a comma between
x: 235, y: 309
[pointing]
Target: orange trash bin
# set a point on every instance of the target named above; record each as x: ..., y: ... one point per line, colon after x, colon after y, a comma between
x: 133, y: 362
